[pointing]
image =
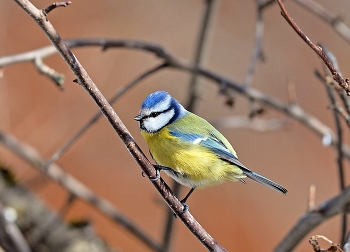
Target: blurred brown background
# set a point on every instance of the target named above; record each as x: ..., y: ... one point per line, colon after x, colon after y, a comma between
x: 240, y: 217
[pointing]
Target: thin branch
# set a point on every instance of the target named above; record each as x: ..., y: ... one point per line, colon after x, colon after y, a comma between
x: 257, y: 52
x: 340, y: 158
x: 345, y: 99
x: 194, y: 91
x: 119, y: 93
x: 312, y: 219
x: 74, y: 186
x: 333, y: 20
x: 311, y: 203
x: 49, y: 72
x: 317, y: 49
x: 54, y: 6
x: 85, y: 81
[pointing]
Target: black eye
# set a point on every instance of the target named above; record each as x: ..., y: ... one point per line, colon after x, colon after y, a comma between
x: 154, y: 114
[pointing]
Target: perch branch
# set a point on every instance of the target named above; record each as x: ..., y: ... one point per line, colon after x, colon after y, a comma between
x: 85, y: 81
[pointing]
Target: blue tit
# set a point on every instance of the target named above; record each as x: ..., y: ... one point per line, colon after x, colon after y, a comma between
x: 188, y: 148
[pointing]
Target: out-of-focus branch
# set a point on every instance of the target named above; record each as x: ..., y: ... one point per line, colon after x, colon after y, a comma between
x: 74, y: 186
x: 311, y: 220
x: 314, y: 243
x: 333, y: 20
x: 49, y: 72
x: 85, y: 81
x: 11, y: 237
x: 317, y: 49
x: 256, y: 124
x: 340, y: 158
x: 292, y: 110
x: 29, y: 214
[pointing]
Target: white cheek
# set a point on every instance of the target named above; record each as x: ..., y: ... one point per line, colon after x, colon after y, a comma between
x: 153, y: 124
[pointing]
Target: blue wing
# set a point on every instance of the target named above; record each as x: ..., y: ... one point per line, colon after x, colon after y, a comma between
x: 218, y: 147
x: 211, y: 142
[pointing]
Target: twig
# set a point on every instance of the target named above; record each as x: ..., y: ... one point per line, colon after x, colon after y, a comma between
x: 317, y: 49
x: 194, y: 90
x: 257, y: 52
x: 121, y: 91
x: 49, y: 72
x: 54, y: 6
x: 340, y: 158
x: 345, y: 99
x: 337, y: 106
x: 311, y: 220
x: 312, y: 199
x: 333, y: 20
x: 74, y: 186
x: 314, y: 242
x: 85, y: 81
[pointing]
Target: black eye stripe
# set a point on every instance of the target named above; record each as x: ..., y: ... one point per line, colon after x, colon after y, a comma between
x: 155, y: 114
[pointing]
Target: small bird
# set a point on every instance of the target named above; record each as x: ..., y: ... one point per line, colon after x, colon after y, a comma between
x: 188, y: 148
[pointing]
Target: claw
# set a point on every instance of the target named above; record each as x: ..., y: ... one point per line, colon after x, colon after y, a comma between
x: 156, y: 177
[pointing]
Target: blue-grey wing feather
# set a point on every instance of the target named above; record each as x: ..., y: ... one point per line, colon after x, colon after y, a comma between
x: 219, y: 148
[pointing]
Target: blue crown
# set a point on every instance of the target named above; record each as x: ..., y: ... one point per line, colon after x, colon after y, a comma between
x: 154, y: 99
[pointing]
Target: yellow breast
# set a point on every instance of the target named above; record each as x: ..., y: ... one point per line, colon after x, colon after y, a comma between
x: 198, y: 166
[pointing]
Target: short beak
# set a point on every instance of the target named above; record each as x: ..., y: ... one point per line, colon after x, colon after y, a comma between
x: 138, y: 118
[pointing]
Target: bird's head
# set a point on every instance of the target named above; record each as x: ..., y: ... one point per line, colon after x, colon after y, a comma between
x: 158, y: 110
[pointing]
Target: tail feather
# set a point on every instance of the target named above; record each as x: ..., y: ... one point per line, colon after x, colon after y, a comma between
x: 265, y: 181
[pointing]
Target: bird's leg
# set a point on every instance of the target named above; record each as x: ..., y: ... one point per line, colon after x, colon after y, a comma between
x: 158, y: 168
x: 183, y: 201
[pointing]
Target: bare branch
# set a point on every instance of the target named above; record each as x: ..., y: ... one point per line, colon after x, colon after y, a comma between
x: 49, y: 72
x: 317, y: 49
x: 333, y: 20
x: 85, y: 81
x: 54, y: 6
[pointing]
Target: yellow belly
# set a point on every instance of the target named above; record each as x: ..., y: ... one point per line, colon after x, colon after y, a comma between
x: 196, y: 165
